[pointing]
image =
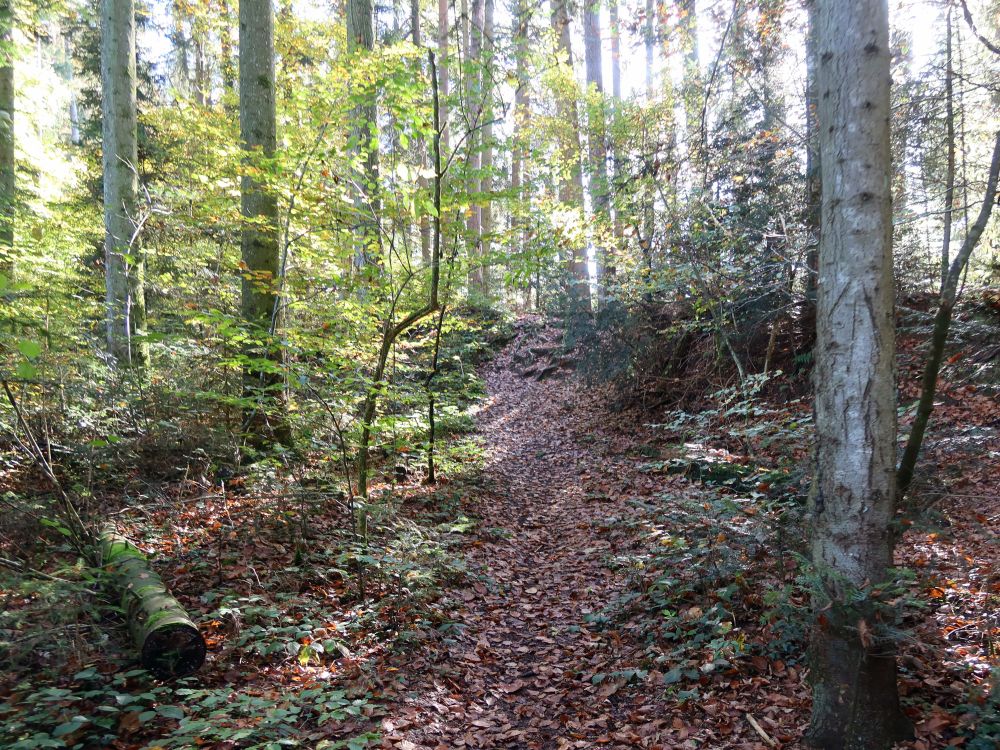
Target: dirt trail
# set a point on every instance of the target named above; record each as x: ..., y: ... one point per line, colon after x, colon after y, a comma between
x: 519, y: 673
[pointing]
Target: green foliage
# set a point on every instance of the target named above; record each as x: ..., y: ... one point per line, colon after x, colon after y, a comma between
x: 98, y: 710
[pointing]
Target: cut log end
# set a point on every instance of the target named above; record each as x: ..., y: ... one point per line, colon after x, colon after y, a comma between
x: 173, y: 650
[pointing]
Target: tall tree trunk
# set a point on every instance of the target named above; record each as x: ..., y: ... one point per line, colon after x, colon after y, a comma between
x: 179, y: 39
x: 949, y: 187
x: 486, y: 181
x: 74, y: 111
x: 571, y: 186
x: 123, y: 255
x: 597, y: 135
x: 521, y: 115
x: 616, y: 93
x: 853, y: 665
x: 7, y: 154
x: 226, y: 63
x: 266, y: 419
x: 442, y: 69
x: 474, y: 113
x: 649, y: 42
x: 692, y: 88
x: 814, y: 183
x: 361, y: 36
x: 425, y: 224
x: 649, y: 199
x: 202, y: 65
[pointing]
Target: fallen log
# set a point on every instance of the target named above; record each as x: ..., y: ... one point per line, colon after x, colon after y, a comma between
x: 169, y: 643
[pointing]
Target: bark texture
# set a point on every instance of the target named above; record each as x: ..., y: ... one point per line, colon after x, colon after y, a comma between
x: 814, y: 188
x: 855, y: 699
x: 169, y: 642
x: 361, y: 36
x: 124, y: 267
x: 260, y: 246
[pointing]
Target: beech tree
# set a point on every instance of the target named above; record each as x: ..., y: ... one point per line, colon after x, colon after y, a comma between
x: 855, y: 696
x: 364, y: 134
x: 264, y: 382
x: 124, y: 261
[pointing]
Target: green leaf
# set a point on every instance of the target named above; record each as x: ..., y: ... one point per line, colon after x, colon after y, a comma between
x: 170, y: 712
x: 70, y: 726
x: 29, y: 349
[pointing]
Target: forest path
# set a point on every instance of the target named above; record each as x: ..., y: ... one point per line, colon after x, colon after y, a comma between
x: 518, y: 673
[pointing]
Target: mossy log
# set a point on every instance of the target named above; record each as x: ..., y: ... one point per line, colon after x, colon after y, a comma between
x: 169, y: 643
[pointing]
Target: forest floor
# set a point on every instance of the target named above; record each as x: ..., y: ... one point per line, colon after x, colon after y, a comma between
x: 554, y: 648
x: 519, y: 673
x: 581, y: 576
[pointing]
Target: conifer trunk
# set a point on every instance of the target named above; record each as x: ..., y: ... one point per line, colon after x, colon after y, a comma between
x: 853, y: 665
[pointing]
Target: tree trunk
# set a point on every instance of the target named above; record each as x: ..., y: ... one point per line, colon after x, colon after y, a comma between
x: 486, y: 180
x: 123, y: 256
x: 264, y: 381
x: 7, y: 154
x: 853, y: 665
x: 949, y: 188
x: 571, y: 186
x: 182, y: 69
x: 521, y: 115
x: 74, y: 111
x: 361, y: 36
x: 424, y: 222
x: 692, y: 88
x: 814, y: 192
x: 616, y: 93
x: 648, y: 184
x: 597, y: 136
x: 474, y: 112
x: 442, y: 67
x: 169, y: 643
x: 227, y: 65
